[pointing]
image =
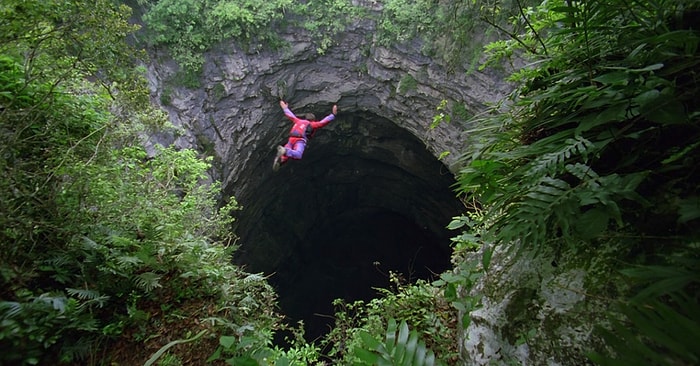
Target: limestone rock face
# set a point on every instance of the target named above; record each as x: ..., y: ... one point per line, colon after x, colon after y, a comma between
x: 534, y: 310
x: 236, y: 113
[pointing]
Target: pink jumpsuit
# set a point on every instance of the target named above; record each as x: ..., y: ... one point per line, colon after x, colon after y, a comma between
x: 300, y: 133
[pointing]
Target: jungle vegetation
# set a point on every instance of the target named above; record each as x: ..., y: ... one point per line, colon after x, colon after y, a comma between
x: 107, y: 247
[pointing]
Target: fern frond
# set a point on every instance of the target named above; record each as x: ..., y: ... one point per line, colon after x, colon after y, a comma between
x: 89, y: 296
x: 555, y: 162
x: 83, y: 294
x: 400, y: 347
x: 79, y: 350
x: 59, y: 260
x: 89, y: 244
x: 128, y: 261
x: 670, y: 326
x: 253, y: 277
x: 582, y: 172
x: 548, y: 189
x: 148, y: 281
x: 549, y: 196
x: 10, y: 309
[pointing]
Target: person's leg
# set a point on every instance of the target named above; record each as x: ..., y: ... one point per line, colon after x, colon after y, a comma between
x: 297, y: 150
x: 288, y: 147
x: 279, y: 158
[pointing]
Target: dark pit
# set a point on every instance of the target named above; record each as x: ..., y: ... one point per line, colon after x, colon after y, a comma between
x: 366, y: 199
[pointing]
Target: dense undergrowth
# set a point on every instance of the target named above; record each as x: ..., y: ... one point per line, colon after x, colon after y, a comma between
x: 597, y: 150
x: 108, y: 248
x: 105, y: 248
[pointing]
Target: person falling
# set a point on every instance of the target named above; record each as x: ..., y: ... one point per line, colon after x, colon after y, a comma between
x: 299, y: 134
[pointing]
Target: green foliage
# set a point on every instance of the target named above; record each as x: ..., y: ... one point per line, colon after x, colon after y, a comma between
x: 402, y: 348
x: 403, y: 20
x: 448, y: 111
x: 102, y: 243
x: 562, y: 140
x: 665, y: 309
x: 33, y: 323
x: 61, y: 42
x: 189, y: 28
x: 457, y: 283
x: 461, y: 112
x: 166, y: 95
x: 325, y: 19
x: 419, y: 305
x: 187, y: 77
x: 442, y: 116
x: 594, y: 152
x: 255, y: 348
x: 161, y: 352
x: 450, y: 30
x: 407, y: 83
x: 436, y: 311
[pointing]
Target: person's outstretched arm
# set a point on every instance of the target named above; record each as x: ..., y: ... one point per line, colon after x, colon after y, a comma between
x: 287, y: 111
x: 326, y: 119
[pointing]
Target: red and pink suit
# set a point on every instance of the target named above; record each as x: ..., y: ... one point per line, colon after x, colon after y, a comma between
x: 300, y: 133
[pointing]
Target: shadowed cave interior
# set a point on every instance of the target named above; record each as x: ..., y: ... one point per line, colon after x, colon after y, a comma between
x: 367, y: 198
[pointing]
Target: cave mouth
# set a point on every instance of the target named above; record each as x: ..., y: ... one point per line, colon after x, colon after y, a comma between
x: 348, y: 257
x: 367, y: 199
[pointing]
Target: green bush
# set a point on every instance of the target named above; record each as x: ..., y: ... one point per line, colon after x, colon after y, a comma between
x: 422, y: 306
x: 77, y: 268
x: 325, y: 19
x: 188, y: 28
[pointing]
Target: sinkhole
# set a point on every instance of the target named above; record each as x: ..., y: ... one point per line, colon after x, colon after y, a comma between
x: 367, y: 198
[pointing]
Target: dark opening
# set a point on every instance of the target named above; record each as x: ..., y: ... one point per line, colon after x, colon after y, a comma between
x: 348, y: 256
x: 367, y: 198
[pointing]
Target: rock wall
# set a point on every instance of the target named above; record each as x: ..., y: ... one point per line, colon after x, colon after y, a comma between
x: 536, y: 309
x: 236, y: 115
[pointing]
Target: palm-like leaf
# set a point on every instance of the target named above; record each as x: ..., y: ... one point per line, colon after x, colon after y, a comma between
x: 401, y: 347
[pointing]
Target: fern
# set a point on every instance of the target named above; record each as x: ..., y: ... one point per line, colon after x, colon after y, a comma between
x: 91, y: 296
x: 599, y: 151
x: 553, y: 163
x: 583, y: 172
x: 10, y: 309
x: 127, y: 261
x: 400, y: 347
x: 78, y: 350
x: 666, y: 310
x: 148, y: 281
x: 530, y: 218
x: 553, y: 207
